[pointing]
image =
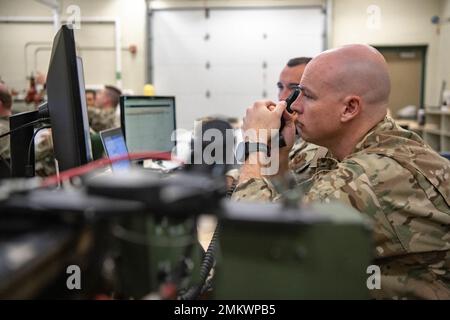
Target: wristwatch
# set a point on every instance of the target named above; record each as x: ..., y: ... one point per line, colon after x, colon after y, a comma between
x: 245, y: 148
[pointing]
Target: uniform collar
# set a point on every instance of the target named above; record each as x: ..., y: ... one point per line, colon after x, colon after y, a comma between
x: 371, y: 139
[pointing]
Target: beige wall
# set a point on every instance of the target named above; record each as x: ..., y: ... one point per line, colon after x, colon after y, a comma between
x: 403, y: 22
x: 444, y: 47
x: 99, y: 65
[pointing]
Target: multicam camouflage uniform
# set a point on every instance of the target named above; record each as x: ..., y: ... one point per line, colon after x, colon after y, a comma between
x: 44, y: 156
x: 303, y: 162
x: 101, y: 118
x: 4, y: 142
x: 304, y: 158
x: 403, y: 187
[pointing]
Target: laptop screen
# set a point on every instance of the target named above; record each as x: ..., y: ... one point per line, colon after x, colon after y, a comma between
x: 148, y: 123
x: 114, y: 144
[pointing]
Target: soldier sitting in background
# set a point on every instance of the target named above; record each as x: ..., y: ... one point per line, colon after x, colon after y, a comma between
x: 387, y: 173
x: 101, y: 117
x: 303, y: 156
x: 90, y: 98
x: 104, y: 115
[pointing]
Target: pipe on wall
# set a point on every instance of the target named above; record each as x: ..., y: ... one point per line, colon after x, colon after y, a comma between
x: 25, y: 52
x: 55, y: 6
x: 87, y: 20
x: 79, y: 49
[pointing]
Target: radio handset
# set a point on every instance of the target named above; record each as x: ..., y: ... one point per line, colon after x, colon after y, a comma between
x: 289, y: 101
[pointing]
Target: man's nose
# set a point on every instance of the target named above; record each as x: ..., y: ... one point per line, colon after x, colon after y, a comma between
x: 297, y: 105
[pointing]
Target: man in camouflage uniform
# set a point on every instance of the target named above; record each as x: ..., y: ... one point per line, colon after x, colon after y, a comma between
x: 303, y: 155
x: 104, y: 115
x: 101, y: 117
x: 44, y: 155
x: 387, y: 173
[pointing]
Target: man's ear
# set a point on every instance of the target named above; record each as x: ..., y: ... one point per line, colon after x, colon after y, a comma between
x: 352, y: 107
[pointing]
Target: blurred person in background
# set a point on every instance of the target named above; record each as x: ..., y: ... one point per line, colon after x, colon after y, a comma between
x: 90, y: 98
x: 104, y: 115
x: 5, y: 113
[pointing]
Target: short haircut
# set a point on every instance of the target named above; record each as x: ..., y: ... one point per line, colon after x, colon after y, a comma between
x: 114, y: 94
x: 298, y: 61
x: 6, y: 99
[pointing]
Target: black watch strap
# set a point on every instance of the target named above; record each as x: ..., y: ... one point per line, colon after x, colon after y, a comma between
x: 251, y: 147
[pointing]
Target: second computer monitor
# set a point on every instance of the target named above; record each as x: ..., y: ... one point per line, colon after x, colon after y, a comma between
x: 148, y: 123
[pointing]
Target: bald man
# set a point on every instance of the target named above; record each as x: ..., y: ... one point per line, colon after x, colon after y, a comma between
x: 388, y: 174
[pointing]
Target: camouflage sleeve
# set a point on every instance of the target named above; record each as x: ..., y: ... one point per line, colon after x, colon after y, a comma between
x: 303, y: 160
x: 101, y: 119
x: 260, y: 190
x: 4, y: 142
x: 233, y: 174
x: 348, y: 184
x: 45, y: 159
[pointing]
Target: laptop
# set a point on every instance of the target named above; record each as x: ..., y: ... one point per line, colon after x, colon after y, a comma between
x: 114, y: 144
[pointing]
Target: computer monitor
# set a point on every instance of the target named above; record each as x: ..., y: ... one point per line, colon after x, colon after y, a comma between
x: 148, y: 123
x: 67, y: 103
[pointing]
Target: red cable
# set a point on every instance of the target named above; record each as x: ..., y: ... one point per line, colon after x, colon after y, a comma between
x: 79, y: 171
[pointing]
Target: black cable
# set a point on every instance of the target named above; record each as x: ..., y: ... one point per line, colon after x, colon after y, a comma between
x: 32, y: 142
x: 208, y: 261
x: 32, y: 123
x: 205, y: 269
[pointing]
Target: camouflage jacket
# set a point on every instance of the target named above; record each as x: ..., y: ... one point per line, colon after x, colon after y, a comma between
x: 101, y: 119
x: 403, y: 187
x: 4, y: 142
x: 44, y: 156
x: 304, y: 159
x: 303, y: 162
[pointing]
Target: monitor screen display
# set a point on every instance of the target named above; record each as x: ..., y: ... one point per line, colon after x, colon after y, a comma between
x: 148, y: 123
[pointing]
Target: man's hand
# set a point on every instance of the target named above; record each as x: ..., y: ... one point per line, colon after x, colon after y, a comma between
x: 262, y: 120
